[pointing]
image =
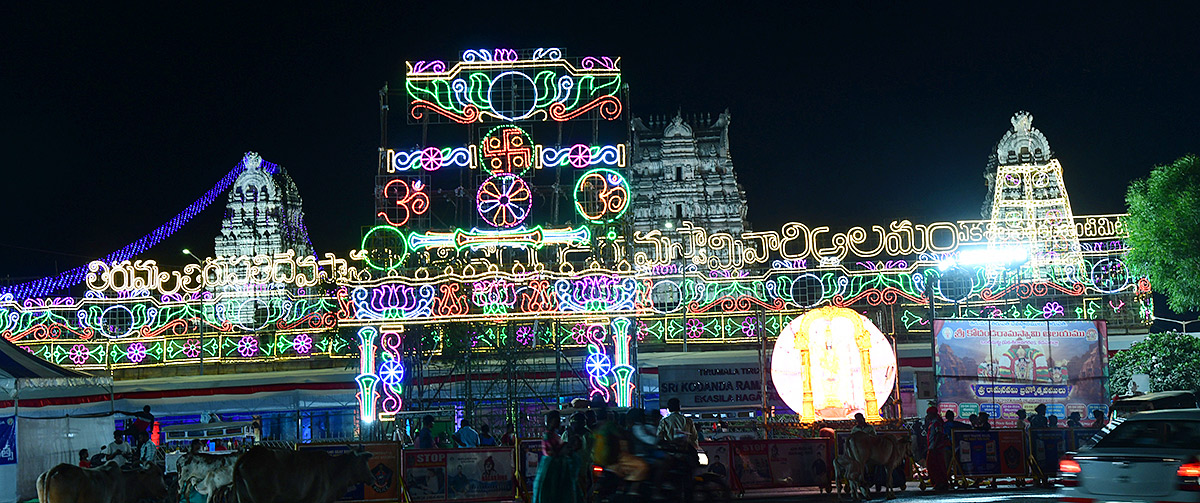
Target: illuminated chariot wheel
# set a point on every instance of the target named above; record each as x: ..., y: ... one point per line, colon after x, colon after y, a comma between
x: 504, y: 200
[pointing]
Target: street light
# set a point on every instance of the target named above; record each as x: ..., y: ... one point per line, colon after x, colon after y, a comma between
x: 189, y: 252
x: 1182, y: 324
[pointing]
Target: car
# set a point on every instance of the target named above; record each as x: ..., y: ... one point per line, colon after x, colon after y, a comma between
x: 1151, y: 456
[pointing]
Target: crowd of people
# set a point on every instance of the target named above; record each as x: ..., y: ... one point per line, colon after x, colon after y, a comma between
x: 141, y: 453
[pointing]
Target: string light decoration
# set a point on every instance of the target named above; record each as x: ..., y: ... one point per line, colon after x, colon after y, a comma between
x: 506, y: 149
x: 504, y: 200
x: 407, y: 198
x: 518, y: 86
x: 387, y: 247
x: 602, y: 195
x: 577, y: 156
x: 367, y: 379
x: 72, y: 277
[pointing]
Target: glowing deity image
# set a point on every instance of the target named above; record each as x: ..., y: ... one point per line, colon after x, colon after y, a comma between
x: 832, y: 363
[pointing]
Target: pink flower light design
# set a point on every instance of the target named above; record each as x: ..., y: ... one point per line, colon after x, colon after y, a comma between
x: 247, y: 346
x: 79, y: 354
x: 302, y: 344
x: 136, y: 352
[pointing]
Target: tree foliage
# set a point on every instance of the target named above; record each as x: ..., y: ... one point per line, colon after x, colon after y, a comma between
x: 1171, y: 359
x: 1164, y: 231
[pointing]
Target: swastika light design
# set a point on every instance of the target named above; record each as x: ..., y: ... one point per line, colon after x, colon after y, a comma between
x: 506, y: 149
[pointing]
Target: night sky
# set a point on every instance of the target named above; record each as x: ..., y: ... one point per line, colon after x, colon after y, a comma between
x: 114, y: 120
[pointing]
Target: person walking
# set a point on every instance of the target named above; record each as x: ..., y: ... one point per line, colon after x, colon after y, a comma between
x: 556, y: 479
x: 938, y: 457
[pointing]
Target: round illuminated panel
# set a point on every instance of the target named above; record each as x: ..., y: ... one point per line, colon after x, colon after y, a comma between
x: 512, y: 95
x: 835, y: 342
x: 601, y: 195
x: 506, y: 149
x: 504, y: 200
x: 386, y: 247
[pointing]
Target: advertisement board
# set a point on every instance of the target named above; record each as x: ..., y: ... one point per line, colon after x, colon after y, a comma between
x: 385, y: 468
x: 990, y: 453
x: 713, y: 385
x: 484, y: 474
x: 1001, y: 366
x: 761, y: 464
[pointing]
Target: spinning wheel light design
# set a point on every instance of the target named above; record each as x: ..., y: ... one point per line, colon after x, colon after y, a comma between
x: 506, y: 149
x: 504, y: 200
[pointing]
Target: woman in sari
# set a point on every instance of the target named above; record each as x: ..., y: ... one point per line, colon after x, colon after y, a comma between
x: 556, y: 476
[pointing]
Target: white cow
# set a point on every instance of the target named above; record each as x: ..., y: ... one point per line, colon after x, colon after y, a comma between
x: 205, y: 472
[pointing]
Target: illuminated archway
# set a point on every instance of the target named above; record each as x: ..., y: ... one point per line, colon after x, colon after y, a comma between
x: 819, y: 361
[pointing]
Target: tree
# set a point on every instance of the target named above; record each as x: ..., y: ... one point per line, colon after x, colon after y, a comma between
x: 1164, y: 231
x: 1171, y: 359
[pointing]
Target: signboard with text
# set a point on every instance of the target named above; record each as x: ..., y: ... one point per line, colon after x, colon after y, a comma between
x: 483, y: 474
x: 1001, y: 366
x: 716, y: 385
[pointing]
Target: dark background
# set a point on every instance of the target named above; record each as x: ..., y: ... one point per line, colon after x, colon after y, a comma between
x: 114, y: 119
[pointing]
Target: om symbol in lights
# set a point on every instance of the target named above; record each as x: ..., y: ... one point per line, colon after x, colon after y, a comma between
x: 601, y: 195
x: 504, y: 200
x: 409, y: 198
x: 506, y: 149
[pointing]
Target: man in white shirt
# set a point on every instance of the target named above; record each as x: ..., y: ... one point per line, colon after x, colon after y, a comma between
x: 677, y: 425
x: 148, y: 451
x: 466, y: 436
x: 119, y: 450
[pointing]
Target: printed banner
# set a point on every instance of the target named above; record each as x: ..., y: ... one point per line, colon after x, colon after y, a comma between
x: 531, y: 455
x: 759, y: 464
x: 999, y: 367
x: 425, y: 474
x: 990, y: 453
x: 486, y: 474
x: 384, y: 466
x: 8, y: 440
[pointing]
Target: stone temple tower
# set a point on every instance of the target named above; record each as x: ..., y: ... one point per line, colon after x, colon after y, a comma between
x: 685, y: 172
x: 264, y: 214
x: 1027, y: 202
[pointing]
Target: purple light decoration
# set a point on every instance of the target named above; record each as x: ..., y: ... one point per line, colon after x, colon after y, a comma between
x: 45, y: 286
x: 191, y: 348
x: 694, y: 328
x: 302, y: 344
x: 247, y: 346
x: 136, y: 352
x: 79, y: 354
x: 525, y: 335
x: 1052, y: 309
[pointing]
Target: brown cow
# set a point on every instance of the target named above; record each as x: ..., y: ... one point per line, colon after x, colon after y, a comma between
x: 879, y: 450
x: 67, y: 483
x: 265, y: 475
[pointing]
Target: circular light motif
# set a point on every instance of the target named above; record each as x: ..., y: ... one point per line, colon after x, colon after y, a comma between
x: 191, y: 348
x: 136, y: 352
x: 79, y: 354
x: 598, y: 365
x: 116, y: 322
x: 431, y: 159
x: 666, y: 296
x: 579, y: 156
x: 1110, y: 275
x: 525, y: 335
x: 302, y: 344
x: 247, y: 346
x: 833, y: 341
x: 512, y: 96
x: 385, y: 247
x: 506, y: 149
x: 601, y: 195
x: 504, y: 200
x: 391, y: 372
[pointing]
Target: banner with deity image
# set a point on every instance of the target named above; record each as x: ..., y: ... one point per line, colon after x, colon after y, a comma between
x: 999, y: 367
